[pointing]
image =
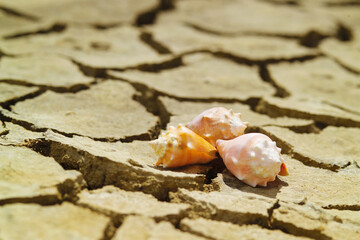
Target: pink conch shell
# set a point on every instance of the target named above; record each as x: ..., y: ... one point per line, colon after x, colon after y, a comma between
x: 218, y: 123
x: 180, y: 146
x: 253, y: 158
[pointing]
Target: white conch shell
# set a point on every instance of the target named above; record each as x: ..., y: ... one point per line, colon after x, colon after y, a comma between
x: 179, y: 146
x: 253, y: 158
x: 218, y: 123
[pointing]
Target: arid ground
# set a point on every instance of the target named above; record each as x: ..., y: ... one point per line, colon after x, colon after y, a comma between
x: 86, y: 84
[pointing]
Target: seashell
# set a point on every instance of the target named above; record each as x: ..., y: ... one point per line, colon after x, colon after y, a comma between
x: 218, y: 123
x: 253, y: 158
x: 179, y: 146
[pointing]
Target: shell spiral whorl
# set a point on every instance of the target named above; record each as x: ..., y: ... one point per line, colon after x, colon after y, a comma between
x: 252, y: 158
x: 179, y: 146
x: 218, y: 123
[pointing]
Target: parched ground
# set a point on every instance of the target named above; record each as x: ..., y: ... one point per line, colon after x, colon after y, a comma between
x: 85, y: 84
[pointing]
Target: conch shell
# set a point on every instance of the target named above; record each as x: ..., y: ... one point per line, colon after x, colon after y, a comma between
x: 179, y: 146
x: 253, y: 158
x: 218, y: 123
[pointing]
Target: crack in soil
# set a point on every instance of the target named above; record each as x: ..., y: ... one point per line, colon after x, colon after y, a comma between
x: 69, y: 89
x: 292, y: 229
x: 246, y: 33
x: 266, y: 77
x: 148, y: 39
x: 344, y: 66
x: 5, y: 132
x: 44, y: 200
x: 311, y: 128
x: 311, y: 39
x: 57, y: 27
x: 344, y: 33
x: 340, y: 107
x: 150, y: 16
x: 271, y: 211
x: 273, y: 111
x: 16, y: 13
x: 343, y: 207
x: 31, y: 127
x: 251, y: 62
x: 293, y: 3
x: 109, y: 231
x: 343, y: 4
x: 146, y: 67
x: 7, y: 104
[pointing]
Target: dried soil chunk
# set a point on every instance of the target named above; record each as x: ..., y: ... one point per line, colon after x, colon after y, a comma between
x: 321, y: 79
x: 347, y: 15
x: 347, y: 53
x: 42, y: 69
x: 228, y: 205
x: 204, y: 76
x: 65, y: 221
x: 184, y: 112
x: 17, y: 135
x: 303, y: 183
x: 118, y: 47
x: 309, y: 108
x: 143, y: 228
x: 333, y: 147
x: 129, y: 166
x: 120, y: 203
x: 183, y: 38
x: 350, y: 216
x: 227, y: 231
x: 312, y: 221
x: 249, y: 17
x: 10, y: 91
x: 103, y: 111
x: 85, y: 12
x: 26, y: 176
x: 3, y: 130
x: 12, y: 26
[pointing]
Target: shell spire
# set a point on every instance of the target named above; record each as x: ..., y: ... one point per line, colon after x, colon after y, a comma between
x: 253, y: 158
x: 218, y: 123
x: 179, y: 146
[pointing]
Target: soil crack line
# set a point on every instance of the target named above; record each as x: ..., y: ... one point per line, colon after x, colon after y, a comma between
x: 148, y: 39
x: 343, y: 4
x: 266, y: 77
x: 70, y: 89
x: 15, y: 13
x: 273, y: 111
x: 271, y: 211
x: 57, y: 27
x: 343, y: 207
x: 7, y: 105
x: 150, y: 16
x: 311, y: 39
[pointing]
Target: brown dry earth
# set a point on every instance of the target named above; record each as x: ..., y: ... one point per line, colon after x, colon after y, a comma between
x: 85, y: 85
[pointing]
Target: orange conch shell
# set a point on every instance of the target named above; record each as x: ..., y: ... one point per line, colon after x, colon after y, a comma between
x: 218, y: 123
x: 180, y: 146
x: 253, y: 158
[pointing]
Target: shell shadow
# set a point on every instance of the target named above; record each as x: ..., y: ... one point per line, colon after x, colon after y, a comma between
x: 270, y: 191
x: 209, y: 169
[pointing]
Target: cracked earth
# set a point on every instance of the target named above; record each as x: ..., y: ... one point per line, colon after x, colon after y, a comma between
x: 85, y: 85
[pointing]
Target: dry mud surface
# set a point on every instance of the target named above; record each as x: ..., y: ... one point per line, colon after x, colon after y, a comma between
x: 85, y: 85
